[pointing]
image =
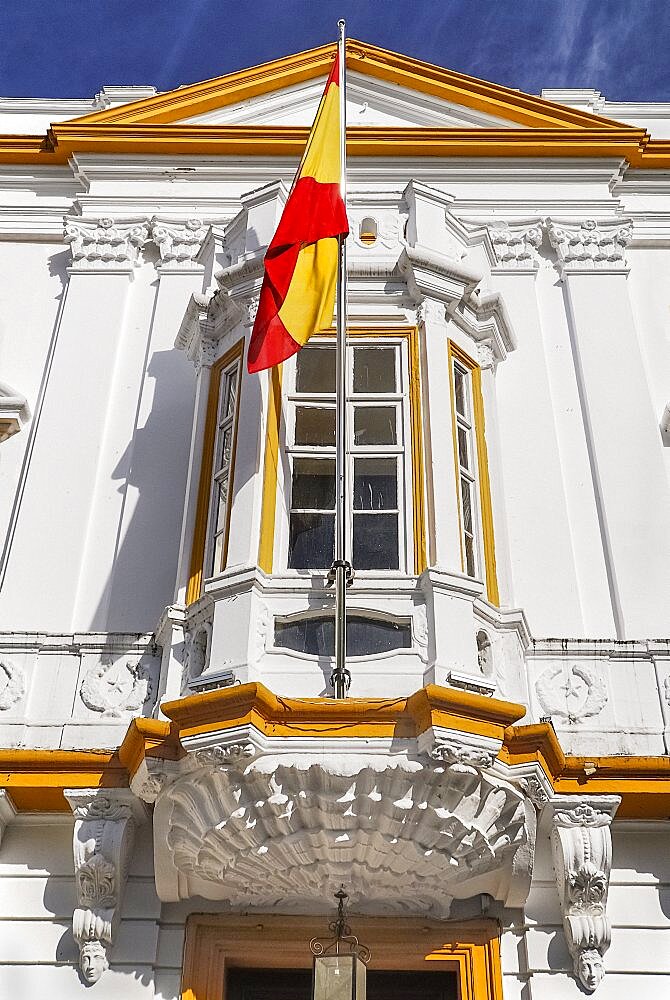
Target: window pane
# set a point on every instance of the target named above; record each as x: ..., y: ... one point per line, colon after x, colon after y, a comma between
x: 314, y: 425
x: 313, y: 484
x: 463, y: 453
x: 374, y: 369
x: 374, y: 425
x: 231, y: 394
x: 311, y: 541
x: 375, y: 484
x: 365, y: 636
x: 376, y: 541
x: 470, y: 566
x: 226, y: 444
x: 466, y: 495
x: 315, y: 370
x: 218, y: 553
x: 461, y: 391
x: 222, y: 498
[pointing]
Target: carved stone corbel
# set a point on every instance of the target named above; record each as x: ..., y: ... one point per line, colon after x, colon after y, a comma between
x: 582, y: 851
x: 104, y: 830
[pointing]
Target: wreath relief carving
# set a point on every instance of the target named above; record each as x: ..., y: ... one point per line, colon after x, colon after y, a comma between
x: 116, y: 688
x: 578, y: 694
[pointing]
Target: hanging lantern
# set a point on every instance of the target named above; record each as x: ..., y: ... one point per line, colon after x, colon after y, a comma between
x: 340, y: 961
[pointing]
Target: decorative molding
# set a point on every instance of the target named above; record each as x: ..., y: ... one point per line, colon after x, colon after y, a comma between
x: 116, y: 688
x: 431, y: 311
x: 579, y: 695
x: 535, y: 790
x: 516, y: 245
x: 14, y: 411
x: 225, y: 755
x: 454, y: 752
x: 102, y: 843
x: 582, y: 853
x: 105, y: 245
x: 591, y: 245
x: 486, y: 354
x: 12, y: 684
x: 267, y: 829
x: 179, y: 242
x: 207, y: 353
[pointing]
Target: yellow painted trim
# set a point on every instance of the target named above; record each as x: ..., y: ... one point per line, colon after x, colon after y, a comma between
x: 485, y: 507
x: 194, y: 587
x: 362, y: 57
x: 266, y: 541
x: 213, y: 942
x: 35, y: 779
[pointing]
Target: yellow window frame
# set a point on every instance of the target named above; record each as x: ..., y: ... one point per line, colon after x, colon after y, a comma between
x: 196, y: 570
x: 486, y: 509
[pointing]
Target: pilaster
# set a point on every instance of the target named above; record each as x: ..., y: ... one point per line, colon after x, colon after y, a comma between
x: 534, y: 502
x: 102, y: 844
x: 621, y: 425
x: 582, y: 851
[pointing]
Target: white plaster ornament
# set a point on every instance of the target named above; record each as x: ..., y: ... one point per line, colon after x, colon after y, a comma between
x: 116, y: 688
x: 12, y: 684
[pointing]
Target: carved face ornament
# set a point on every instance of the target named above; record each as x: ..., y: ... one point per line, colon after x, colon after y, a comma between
x: 93, y: 961
x: 589, y: 969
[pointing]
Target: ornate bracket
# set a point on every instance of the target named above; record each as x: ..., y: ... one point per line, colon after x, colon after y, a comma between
x: 582, y: 851
x: 104, y: 830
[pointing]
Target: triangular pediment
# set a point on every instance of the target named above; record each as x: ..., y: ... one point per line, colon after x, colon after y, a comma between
x: 385, y: 89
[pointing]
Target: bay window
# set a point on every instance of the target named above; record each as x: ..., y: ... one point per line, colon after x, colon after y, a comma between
x: 378, y: 428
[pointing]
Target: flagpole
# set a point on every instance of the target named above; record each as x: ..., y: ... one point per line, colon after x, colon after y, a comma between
x: 341, y: 677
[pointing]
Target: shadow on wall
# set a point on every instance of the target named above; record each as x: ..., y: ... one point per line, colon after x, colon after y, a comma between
x: 152, y: 472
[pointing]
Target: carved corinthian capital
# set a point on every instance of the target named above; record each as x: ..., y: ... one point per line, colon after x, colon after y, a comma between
x: 178, y: 241
x: 590, y: 245
x: 582, y: 851
x: 103, y: 244
x: 516, y: 245
x: 104, y: 830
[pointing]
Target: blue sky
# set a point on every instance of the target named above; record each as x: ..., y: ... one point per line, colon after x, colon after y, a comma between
x: 71, y: 48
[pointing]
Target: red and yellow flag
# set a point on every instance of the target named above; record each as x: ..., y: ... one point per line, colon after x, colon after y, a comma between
x: 298, y: 294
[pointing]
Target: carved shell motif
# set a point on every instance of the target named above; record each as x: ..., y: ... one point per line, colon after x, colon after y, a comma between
x: 116, y: 688
x: 12, y: 684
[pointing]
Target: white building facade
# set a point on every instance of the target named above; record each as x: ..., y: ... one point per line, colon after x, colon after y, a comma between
x: 180, y: 794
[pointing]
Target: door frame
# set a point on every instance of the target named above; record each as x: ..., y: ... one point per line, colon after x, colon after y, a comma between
x: 268, y: 941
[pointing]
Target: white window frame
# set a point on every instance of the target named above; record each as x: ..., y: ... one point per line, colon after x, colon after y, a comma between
x: 402, y: 449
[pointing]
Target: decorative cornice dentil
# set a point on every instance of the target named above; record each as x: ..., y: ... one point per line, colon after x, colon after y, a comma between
x: 582, y: 852
x: 179, y: 242
x: 104, y: 244
x: 590, y: 245
x: 102, y: 845
x: 516, y: 245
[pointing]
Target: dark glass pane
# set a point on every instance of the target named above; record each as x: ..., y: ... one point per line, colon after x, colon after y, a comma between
x: 313, y: 484
x: 375, y: 484
x: 311, y: 541
x: 374, y: 425
x: 365, y: 636
x: 375, y: 541
x: 460, y: 391
x: 231, y: 394
x: 463, y: 454
x: 226, y: 446
x: 315, y: 370
x: 374, y: 369
x: 314, y: 425
x: 466, y: 495
x: 470, y: 566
